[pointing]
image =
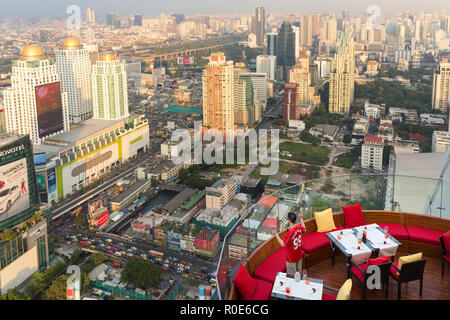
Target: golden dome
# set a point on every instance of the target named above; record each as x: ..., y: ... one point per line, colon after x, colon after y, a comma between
x: 32, y: 52
x: 70, y: 44
x: 108, y: 57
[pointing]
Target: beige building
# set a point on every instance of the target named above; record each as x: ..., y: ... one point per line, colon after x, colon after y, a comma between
x: 441, y: 86
x: 218, y: 97
x: 300, y: 74
x: 342, y: 76
x: 220, y: 193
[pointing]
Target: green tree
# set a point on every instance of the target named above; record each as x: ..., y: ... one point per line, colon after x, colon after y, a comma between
x: 143, y: 274
x: 13, y: 294
x: 97, y: 258
x: 154, y: 182
x: 80, y: 220
x: 75, y: 256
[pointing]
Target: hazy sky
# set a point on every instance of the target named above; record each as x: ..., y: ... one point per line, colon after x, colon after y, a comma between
x: 57, y: 8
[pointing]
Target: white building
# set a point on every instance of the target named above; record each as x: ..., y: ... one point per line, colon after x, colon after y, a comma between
x: 372, y: 153
x: 35, y: 103
x: 323, y: 67
x: 372, y: 110
x: 260, y: 88
x: 268, y: 65
x: 74, y: 70
x: 441, y: 141
x: 441, y: 86
x: 109, y: 89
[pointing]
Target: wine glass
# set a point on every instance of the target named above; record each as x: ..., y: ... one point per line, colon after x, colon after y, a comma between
x: 386, y: 232
x: 360, y: 238
x: 305, y: 277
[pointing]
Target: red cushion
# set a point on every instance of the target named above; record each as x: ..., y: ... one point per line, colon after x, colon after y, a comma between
x: 268, y: 270
x: 424, y: 235
x: 328, y: 297
x: 316, y: 240
x: 379, y: 260
x: 394, y: 271
x: 353, y: 216
x: 446, y: 238
x: 244, y: 283
x: 398, y: 231
x: 263, y: 290
x: 358, y: 273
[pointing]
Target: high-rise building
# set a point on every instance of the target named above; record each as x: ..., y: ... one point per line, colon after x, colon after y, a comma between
x: 110, y: 19
x: 286, y: 48
x: 306, y: 30
x: 218, y: 98
x: 260, y: 88
x: 272, y: 42
x: 268, y: 65
x: 372, y: 153
x: 291, y: 110
x: 74, y: 70
x: 441, y: 141
x: 296, y: 40
x: 243, y: 97
x: 259, y: 25
x: 35, y: 103
x: 300, y: 74
x: 342, y: 76
x: 90, y: 16
x: 441, y: 86
x: 109, y: 89
x: 138, y: 20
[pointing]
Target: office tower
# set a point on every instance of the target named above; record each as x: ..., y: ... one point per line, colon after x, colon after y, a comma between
x: 259, y: 25
x: 90, y: 16
x: 90, y: 35
x: 323, y: 67
x: 291, y: 110
x: 301, y: 75
x: 138, y: 20
x: 272, y: 42
x: 306, y: 30
x: 74, y: 70
x: 243, y: 97
x: 179, y: 18
x: 35, y: 104
x: 296, y: 40
x: 268, y: 65
x: 331, y: 32
x: 110, y: 19
x: 342, y: 76
x: 259, y: 81
x: 109, y: 88
x: 286, y: 49
x: 316, y: 25
x: 345, y: 15
x: 372, y: 153
x: 424, y: 32
x: 218, y: 98
x: 441, y: 86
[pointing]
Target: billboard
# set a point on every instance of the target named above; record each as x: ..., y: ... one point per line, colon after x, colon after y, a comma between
x: 42, y: 184
x: 51, y: 180
x: 103, y: 218
x: 14, y: 197
x: 187, y: 60
x: 40, y: 158
x: 49, y: 109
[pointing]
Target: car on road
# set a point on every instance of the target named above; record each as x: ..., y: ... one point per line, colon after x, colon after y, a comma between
x: 115, y: 249
x: 117, y: 253
x: 109, y: 252
x: 183, y: 262
x: 133, y: 248
x: 129, y: 254
x: 123, y: 253
x: 92, y: 247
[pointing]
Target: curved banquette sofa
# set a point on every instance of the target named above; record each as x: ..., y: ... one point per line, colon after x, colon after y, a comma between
x: 417, y: 233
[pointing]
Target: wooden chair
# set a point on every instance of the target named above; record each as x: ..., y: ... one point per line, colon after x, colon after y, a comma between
x: 410, y: 271
x: 445, y: 254
x: 384, y: 276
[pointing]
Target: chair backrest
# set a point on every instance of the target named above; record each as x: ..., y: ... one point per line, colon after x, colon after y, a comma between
x: 384, y: 271
x: 441, y: 239
x: 412, y: 270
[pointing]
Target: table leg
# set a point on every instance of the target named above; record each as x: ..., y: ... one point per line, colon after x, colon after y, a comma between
x: 333, y: 247
x: 349, y: 263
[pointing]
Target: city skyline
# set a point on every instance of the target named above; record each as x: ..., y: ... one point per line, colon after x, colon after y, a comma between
x: 57, y: 9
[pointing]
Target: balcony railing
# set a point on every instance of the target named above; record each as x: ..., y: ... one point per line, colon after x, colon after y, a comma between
x: 375, y: 192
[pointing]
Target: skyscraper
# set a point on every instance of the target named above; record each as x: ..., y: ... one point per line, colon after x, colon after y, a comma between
x: 342, y: 76
x: 218, y: 98
x: 109, y: 89
x: 138, y: 20
x: 300, y: 74
x: 35, y: 104
x: 268, y: 65
x: 90, y: 16
x: 110, y: 19
x: 291, y: 110
x: 259, y: 25
x: 286, y: 48
x: 243, y: 97
x: 441, y: 86
x: 272, y: 42
x: 306, y: 30
x: 74, y: 70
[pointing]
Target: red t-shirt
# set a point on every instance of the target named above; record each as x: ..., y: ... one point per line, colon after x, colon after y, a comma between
x: 293, y: 240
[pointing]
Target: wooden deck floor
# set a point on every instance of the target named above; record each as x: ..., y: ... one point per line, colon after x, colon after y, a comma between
x: 435, y: 287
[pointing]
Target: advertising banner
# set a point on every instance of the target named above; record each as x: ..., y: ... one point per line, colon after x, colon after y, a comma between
x: 42, y: 184
x: 14, y: 197
x: 51, y: 180
x: 103, y: 219
x: 49, y: 109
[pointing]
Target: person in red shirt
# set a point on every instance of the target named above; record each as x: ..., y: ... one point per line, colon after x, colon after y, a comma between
x: 292, y: 241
